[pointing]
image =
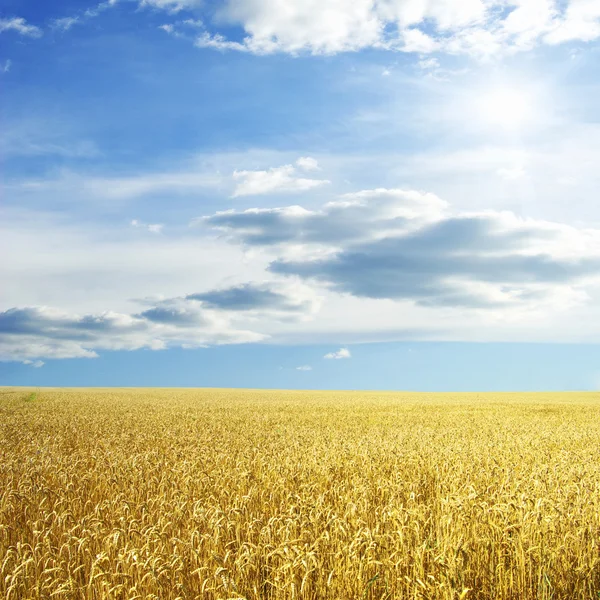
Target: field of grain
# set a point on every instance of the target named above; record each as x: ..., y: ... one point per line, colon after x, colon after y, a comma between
x: 219, y: 494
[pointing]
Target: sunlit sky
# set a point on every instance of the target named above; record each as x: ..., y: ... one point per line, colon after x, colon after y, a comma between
x: 392, y: 194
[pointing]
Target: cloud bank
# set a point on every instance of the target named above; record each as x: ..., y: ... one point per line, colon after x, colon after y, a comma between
x: 408, y: 245
x: 202, y: 319
x: 476, y: 27
x: 375, y: 261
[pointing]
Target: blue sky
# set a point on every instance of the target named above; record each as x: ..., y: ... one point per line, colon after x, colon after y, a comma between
x: 225, y: 193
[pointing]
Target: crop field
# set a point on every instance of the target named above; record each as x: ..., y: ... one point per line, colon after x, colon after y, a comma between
x: 222, y: 494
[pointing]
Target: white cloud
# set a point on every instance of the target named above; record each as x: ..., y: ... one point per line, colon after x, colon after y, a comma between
x: 170, y: 5
x: 322, y: 27
x: 529, y: 20
x: 304, y: 368
x: 218, y: 42
x: 512, y: 174
x: 65, y: 23
x: 21, y: 26
x: 151, y: 227
x: 36, y: 364
x: 308, y: 163
x: 482, y: 28
x: 170, y: 29
x: 477, y: 27
x: 581, y: 21
x: 340, y: 354
x: 5, y: 68
x: 415, y: 40
x: 276, y: 179
x: 429, y: 64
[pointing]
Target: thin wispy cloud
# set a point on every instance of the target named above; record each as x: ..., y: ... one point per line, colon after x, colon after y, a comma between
x: 65, y: 23
x: 116, y: 188
x: 287, y: 178
x: 36, y: 364
x: 150, y: 227
x: 20, y: 26
x: 338, y: 355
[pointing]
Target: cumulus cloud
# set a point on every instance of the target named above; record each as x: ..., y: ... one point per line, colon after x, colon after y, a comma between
x: 21, y: 26
x: 340, y: 354
x: 304, y: 368
x: 406, y: 245
x: 277, y: 179
x: 308, y: 163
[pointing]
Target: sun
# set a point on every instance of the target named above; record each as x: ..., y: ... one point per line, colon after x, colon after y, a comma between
x: 505, y: 107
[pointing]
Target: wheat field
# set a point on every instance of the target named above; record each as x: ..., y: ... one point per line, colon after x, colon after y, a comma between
x: 221, y: 494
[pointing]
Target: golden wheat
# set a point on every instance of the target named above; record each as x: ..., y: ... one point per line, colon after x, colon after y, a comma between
x: 220, y: 494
